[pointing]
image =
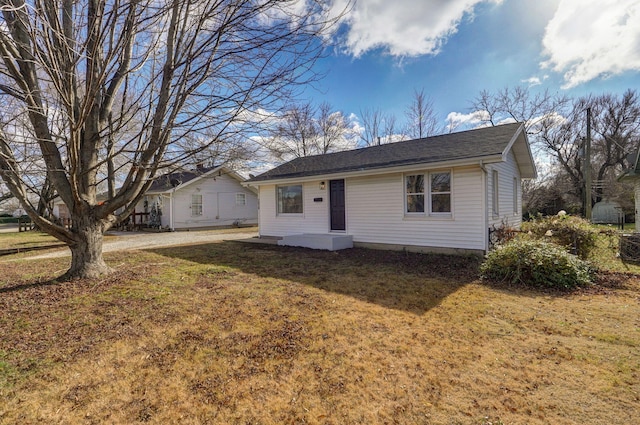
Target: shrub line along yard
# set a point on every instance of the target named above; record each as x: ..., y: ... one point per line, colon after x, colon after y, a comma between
x: 236, y: 333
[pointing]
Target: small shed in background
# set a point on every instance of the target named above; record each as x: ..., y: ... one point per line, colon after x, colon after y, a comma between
x: 607, y: 212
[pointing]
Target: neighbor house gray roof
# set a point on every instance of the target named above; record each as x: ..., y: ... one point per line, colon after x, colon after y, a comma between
x: 633, y: 172
x: 168, y: 181
x: 471, y: 144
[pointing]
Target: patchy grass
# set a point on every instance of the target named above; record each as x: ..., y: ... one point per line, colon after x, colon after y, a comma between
x: 251, y: 334
x: 26, y: 241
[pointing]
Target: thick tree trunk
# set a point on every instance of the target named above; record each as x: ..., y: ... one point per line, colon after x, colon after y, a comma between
x: 86, y: 252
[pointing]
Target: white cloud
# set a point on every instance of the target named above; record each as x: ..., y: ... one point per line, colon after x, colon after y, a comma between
x: 587, y: 39
x: 475, y: 119
x: 534, y: 81
x: 404, y: 27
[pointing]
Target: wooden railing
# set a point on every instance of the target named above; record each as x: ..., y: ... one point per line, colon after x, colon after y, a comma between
x: 135, y: 221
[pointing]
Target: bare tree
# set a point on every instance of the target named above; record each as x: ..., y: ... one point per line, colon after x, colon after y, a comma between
x: 378, y: 127
x: 106, y: 85
x: 5, y: 196
x: 335, y: 130
x: 616, y: 127
x: 422, y: 120
x: 520, y: 105
x: 615, y: 135
x: 306, y: 130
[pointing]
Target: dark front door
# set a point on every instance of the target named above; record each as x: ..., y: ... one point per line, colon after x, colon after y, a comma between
x: 336, y: 204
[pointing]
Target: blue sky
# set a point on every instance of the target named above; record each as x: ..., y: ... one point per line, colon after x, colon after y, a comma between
x: 453, y: 49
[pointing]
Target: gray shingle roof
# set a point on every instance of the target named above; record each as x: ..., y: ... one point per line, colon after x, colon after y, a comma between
x: 478, y: 143
x: 167, y: 182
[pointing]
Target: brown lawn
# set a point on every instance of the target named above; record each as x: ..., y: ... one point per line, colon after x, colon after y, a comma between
x: 230, y: 333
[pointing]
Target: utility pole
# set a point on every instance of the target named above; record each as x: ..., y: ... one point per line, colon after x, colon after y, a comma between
x: 587, y: 169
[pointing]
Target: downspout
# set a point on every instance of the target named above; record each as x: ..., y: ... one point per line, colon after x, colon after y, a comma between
x: 171, y: 212
x: 485, y: 203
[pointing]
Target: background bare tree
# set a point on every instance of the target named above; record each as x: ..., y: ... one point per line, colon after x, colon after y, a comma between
x: 519, y: 104
x: 102, y: 85
x: 422, y: 120
x: 377, y: 127
x: 306, y: 130
x: 556, y: 126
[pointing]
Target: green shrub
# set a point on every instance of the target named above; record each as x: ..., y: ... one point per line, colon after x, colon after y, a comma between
x: 575, y: 234
x: 535, y: 263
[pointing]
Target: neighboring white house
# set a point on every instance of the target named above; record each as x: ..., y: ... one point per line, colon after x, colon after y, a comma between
x: 205, y: 197
x: 632, y: 175
x: 441, y: 193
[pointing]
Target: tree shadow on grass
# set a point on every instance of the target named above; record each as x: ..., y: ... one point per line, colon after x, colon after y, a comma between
x: 31, y: 285
x: 399, y: 280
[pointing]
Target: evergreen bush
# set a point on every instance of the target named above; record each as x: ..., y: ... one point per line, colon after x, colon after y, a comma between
x: 575, y: 234
x: 536, y: 263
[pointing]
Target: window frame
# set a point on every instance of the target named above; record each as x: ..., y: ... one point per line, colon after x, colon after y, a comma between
x: 449, y: 192
x: 197, y: 208
x: 407, y: 194
x: 241, y: 199
x: 279, y: 204
x: 428, y: 194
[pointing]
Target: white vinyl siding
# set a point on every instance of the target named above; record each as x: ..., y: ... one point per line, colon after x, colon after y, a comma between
x: 219, y: 195
x: 376, y: 209
x: 508, y: 193
x: 376, y: 215
x: 314, y: 219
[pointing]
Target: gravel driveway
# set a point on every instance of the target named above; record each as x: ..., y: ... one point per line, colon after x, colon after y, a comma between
x: 123, y: 241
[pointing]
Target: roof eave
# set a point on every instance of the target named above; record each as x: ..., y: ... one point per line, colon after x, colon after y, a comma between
x: 379, y: 170
x: 525, y: 160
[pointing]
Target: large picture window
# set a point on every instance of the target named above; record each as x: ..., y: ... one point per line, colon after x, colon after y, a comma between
x: 428, y: 193
x: 196, y: 205
x: 289, y: 199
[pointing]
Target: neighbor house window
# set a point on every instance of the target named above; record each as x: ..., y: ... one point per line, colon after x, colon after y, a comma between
x: 515, y: 195
x: 434, y: 200
x: 241, y: 199
x: 495, y: 196
x: 289, y: 199
x: 196, y: 205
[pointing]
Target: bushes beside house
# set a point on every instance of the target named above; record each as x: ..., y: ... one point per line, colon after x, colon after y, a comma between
x: 536, y: 263
x: 543, y: 255
x: 573, y: 233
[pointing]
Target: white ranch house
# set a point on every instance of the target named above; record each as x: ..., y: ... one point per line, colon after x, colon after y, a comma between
x: 204, y: 197
x: 200, y: 198
x: 441, y: 193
